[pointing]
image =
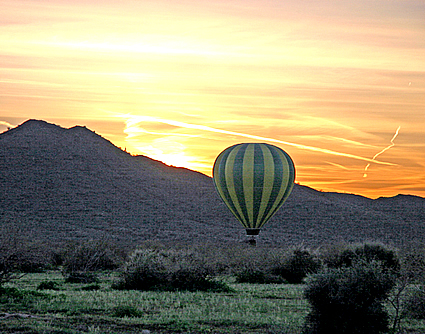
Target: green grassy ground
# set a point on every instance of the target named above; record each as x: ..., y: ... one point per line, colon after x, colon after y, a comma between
x: 96, y: 308
x: 249, y: 308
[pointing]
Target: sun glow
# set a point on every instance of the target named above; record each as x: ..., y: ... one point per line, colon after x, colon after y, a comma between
x: 322, y: 80
x: 171, y: 159
x: 170, y: 152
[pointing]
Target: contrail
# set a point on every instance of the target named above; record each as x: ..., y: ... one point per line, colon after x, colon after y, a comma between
x: 6, y: 124
x: 385, y: 149
x: 133, y: 120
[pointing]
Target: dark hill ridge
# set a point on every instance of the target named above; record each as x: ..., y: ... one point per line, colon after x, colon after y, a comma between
x: 72, y: 183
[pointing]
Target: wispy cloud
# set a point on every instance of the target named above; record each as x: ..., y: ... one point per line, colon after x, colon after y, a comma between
x: 132, y: 121
x: 337, y: 165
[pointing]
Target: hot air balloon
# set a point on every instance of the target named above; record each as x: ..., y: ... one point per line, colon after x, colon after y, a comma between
x: 253, y: 180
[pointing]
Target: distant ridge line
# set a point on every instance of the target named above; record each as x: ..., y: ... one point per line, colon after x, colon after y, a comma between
x: 64, y: 184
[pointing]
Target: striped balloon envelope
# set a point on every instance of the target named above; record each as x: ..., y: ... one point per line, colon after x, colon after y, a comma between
x: 254, y: 180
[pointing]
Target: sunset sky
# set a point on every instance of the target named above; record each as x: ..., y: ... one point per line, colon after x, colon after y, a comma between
x: 339, y: 85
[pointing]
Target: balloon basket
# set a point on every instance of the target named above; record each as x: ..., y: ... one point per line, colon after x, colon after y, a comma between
x: 251, y: 236
x: 251, y: 240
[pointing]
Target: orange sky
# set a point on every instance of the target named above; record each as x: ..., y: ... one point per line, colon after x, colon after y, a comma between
x: 337, y: 84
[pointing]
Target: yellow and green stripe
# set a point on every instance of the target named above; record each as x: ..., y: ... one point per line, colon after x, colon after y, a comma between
x: 254, y: 180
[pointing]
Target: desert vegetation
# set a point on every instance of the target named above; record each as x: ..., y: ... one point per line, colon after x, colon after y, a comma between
x: 77, y: 220
x: 100, y: 287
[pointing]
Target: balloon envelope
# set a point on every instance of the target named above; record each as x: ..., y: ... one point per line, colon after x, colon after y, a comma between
x: 254, y: 180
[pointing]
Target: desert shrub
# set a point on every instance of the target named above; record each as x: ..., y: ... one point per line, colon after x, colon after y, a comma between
x: 81, y: 261
x: 349, y: 299
x: 31, y: 257
x: 91, y: 287
x: 247, y: 266
x: 295, y: 265
x: 252, y: 265
x: 378, y: 252
x: 144, y: 270
x: 91, y: 255
x: 155, y: 269
x: 276, y: 266
x: 82, y: 277
x: 127, y: 311
x: 414, y: 305
x: 249, y: 275
x: 345, y: 255
x: 217, y: 258
x: 19, y: 254
x: 187, y: 270
x: 48, y: 285
x: 413, y: 264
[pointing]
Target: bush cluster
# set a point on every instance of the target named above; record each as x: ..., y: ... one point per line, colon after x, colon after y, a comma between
x: 339, y: 256
x: 80, y: 261
x: 48, y: 285
x: 346, y: 284
x: 156, y: 269
x: 413, y: 264
x: 347, y: 296
x: 296, y: 266
x: 276, y: 266
x: 20, y: 254
x: 349, y: 299
x: 90, y: 255
x: 249, y: 265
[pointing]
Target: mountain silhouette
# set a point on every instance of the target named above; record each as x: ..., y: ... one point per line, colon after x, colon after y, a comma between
x: 62, y: 184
